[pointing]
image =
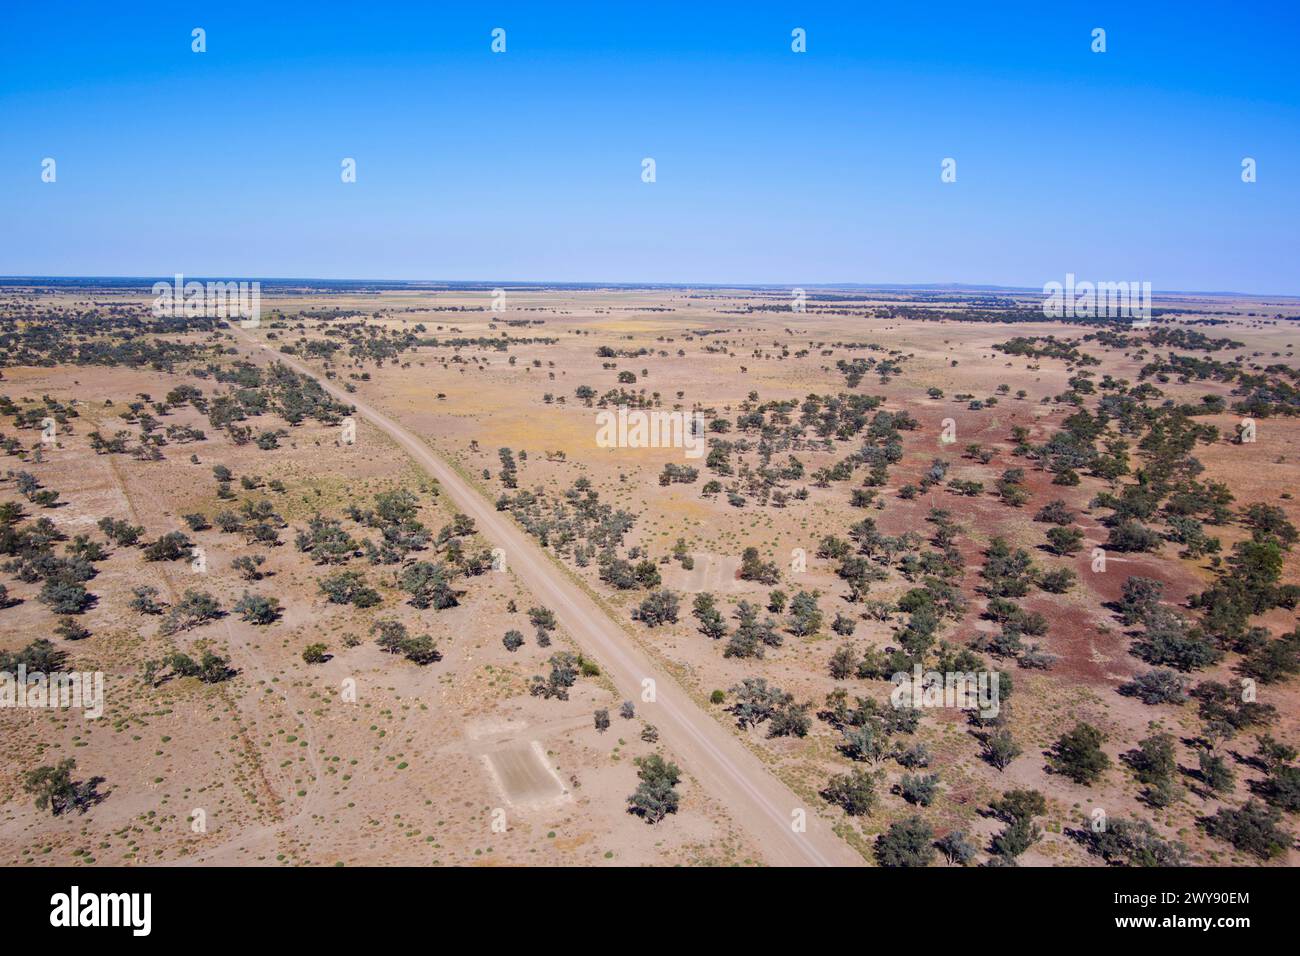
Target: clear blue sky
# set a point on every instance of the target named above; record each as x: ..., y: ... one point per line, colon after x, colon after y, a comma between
x: 773, y: 167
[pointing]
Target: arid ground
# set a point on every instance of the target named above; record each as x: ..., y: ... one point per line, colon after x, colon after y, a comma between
x: 704, y: 645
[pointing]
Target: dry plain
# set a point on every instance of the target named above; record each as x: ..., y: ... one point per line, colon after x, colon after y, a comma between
x: 457, y: 758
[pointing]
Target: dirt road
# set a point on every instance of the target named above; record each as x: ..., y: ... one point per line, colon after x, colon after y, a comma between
x: 757, y: 801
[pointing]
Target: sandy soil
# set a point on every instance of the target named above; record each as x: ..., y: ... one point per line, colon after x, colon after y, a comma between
x: 289, y: 773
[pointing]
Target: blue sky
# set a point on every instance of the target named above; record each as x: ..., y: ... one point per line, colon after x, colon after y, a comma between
x: 772, y: 167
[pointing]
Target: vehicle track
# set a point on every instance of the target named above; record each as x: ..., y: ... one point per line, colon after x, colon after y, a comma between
x: 760, y: 804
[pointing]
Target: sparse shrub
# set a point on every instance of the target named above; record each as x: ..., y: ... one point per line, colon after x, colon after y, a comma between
x: 854, y: 792
x: 1157, y: 686
x: 657, y: 609
x: 919, y: 789
x: 1077, y: 754
x: 1253, y: 828
x: 656, y: 795
x: 956, y: 848
x: 906, y: 843
x: 258, y: 609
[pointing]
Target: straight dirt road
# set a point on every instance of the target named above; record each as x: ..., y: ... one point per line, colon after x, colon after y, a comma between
x: 723, y: 766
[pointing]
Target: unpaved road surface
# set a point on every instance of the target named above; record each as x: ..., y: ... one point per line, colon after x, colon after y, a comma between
x: 721, y: 764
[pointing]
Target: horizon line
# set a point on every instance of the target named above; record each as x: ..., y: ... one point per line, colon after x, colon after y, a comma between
x: 608, y: 284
